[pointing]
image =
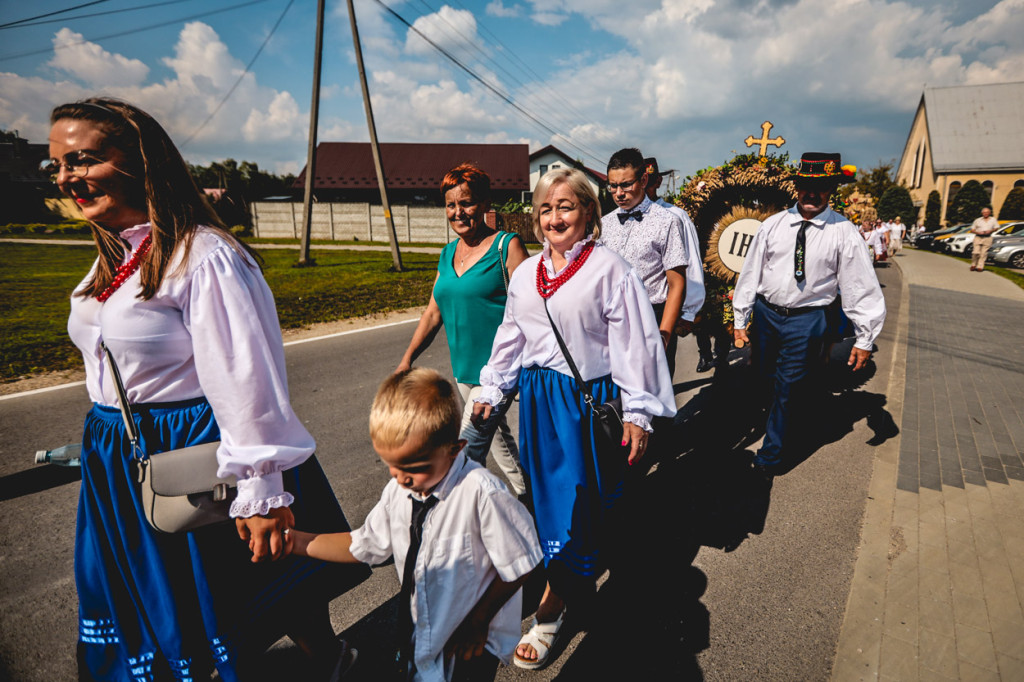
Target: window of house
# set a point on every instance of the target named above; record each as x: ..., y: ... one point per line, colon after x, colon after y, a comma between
x: 988, y: 188
x: 543, y: 168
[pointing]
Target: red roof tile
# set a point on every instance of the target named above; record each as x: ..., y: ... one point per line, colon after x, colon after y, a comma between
x: 417, y: 166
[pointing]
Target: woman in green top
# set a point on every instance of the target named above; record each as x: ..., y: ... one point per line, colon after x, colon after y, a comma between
x: 469, y: 300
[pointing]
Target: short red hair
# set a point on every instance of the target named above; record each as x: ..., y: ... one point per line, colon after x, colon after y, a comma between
x: 478, y: 181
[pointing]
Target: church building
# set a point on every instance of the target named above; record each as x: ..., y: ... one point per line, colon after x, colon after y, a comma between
x: 961, y: 133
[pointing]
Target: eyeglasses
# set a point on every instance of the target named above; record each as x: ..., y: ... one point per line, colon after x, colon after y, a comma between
x: 612, y: 186
x: 77, y: 163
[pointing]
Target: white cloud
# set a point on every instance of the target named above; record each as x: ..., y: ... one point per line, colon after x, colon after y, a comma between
x: 92, y: 64
x: 550, y: 18
x: 496, y: 8
x: 281, y: 121
x: 451, y: 29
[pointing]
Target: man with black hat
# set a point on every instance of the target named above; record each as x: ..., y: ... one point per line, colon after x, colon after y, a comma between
x: 798, y: 262
x: 693, y: 300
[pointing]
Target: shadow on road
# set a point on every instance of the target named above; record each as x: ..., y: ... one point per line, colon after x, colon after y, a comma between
x: 38, y: 479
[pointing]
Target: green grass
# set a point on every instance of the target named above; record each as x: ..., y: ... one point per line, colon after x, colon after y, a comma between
x: 37, y: 281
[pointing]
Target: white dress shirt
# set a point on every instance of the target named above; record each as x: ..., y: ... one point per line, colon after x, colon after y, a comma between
x: 211, y: 330
x: 606, y: 321
x: 652, y: 245
x: 837, y: 260
x: 475, y: 533
x: 694, y: 300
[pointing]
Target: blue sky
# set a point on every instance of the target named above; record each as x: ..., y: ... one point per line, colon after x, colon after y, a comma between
x: 685, y: 80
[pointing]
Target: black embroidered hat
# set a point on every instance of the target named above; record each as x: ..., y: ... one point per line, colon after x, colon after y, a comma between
x: 823, y: 166
x: 651, y: 167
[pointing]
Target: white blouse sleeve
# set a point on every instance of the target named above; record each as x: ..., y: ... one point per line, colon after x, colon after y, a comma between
x: 239, y: 360
x: 501, y: 373
x: 862, y: 297
x: 637, y: 355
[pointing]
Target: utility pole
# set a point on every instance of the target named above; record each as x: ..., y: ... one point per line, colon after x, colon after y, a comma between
x: 396, y: 257
x: 314, y: 121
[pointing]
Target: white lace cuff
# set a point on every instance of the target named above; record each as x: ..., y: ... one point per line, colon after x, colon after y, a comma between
x: 489, y: 395
x: 640, y: 420
x: 257, y: 495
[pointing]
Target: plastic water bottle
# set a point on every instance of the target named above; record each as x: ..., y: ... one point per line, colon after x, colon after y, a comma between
x: 69, y: 455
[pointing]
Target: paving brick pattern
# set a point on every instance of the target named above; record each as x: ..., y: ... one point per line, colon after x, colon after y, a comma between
x: 963, y: 415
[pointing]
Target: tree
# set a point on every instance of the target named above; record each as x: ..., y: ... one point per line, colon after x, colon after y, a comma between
x: 897, y: 202
x: 874, y: 182
x: 968, y: 202
x: 1013, y: 206
x: 933, y: 211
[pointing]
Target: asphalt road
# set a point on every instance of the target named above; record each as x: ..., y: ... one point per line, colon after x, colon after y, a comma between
x: 715, y: 577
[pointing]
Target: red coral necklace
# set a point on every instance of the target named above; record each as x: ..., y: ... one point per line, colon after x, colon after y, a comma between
x: 546, y: 286
x: 127, y: 269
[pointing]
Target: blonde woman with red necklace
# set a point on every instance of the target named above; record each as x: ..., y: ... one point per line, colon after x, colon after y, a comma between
x: 184, y: 309
x: 604, y: 316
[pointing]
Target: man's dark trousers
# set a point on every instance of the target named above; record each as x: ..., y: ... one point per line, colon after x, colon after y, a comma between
x: 788, y: 351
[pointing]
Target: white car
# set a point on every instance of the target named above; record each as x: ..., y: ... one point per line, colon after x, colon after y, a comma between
x: 963, y: 244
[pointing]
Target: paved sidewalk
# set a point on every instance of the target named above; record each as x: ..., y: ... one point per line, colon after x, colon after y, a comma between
x: 938, y: 588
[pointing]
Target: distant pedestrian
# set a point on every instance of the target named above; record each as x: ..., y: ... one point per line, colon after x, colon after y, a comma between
x: 798, y: 261
x: 897, y: 233
x: 982, y: 228
x: 468, y: 298
x: 650, y: 238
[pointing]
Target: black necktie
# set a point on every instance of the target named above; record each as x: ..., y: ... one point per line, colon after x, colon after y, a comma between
x: 800, y: 255
x: 636, y: 215
x: 405, y: 626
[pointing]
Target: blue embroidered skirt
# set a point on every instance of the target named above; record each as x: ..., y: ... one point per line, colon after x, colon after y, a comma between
x: 572, y: 487
x: 175, y: 606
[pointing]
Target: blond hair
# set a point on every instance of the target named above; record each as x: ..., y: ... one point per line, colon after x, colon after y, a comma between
x: 579, y: 185
x: 416, y: 401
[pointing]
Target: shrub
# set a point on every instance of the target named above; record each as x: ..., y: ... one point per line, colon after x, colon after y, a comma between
x: 896, y: 201
x: 933, y: 211
x: 968, y: 202
x: 1013, y: 207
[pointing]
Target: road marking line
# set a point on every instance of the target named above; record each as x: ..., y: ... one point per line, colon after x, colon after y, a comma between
x: 290, y: 343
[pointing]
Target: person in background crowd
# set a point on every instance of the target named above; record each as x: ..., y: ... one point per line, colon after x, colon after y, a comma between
x: 982, y: 228
x: 799, y: 260
x: 468, y: 298
x: 694, y: 292
x: 185, y: 311
x: 650, y: 238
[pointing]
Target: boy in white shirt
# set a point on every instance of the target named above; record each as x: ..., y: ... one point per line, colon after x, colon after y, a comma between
x: 461, y: 602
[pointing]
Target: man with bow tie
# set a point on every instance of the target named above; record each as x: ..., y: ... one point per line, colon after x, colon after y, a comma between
x: 650, y: 238
x: 799, y: 261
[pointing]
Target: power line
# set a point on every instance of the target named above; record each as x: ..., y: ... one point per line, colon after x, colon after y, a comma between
x: 514, y: 56
x: 140, y: 29
x: 240, y: 77
x: 50, y: 14
x: 507, y: 99
x: 94, y: 14
x: 557, y: 114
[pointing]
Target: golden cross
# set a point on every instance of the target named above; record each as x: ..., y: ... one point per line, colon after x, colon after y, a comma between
x: 764, y: 141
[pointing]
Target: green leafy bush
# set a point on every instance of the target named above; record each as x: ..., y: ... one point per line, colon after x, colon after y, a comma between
x: 896, y: 201
x: 1013, y: 206
x: 968, y: 202
x: 933, y: 211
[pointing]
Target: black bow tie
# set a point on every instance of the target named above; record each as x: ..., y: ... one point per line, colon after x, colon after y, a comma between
x: 635, y: 215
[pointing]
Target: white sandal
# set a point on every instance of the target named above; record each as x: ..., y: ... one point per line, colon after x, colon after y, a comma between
x: 542, y: 637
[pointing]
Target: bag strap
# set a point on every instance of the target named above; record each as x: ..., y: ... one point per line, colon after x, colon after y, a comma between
x: 568, y: 357
x: 122, y: 400
x: 501, y: 258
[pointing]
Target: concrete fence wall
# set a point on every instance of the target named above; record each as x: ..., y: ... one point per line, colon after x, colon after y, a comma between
x: 364, y: 222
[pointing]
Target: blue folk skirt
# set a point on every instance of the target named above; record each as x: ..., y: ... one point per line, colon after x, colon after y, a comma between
x: 573, y: 488
x: 176, y: 606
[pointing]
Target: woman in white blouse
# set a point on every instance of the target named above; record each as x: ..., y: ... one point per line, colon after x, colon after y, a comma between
x: 188, y: 317
x: 605, y: 318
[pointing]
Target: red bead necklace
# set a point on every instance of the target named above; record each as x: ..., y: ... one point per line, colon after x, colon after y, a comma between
x: 546, y: 286
x: 127, y: 270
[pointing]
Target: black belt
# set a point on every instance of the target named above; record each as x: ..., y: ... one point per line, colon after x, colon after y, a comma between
x: 789, y: 312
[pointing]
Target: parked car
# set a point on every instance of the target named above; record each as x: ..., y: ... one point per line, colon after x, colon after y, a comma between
x: 1008, y: 250
x: 925, y: 241
x: 963, y: 243
x: 939, y: 244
